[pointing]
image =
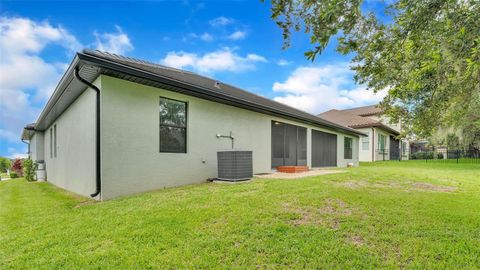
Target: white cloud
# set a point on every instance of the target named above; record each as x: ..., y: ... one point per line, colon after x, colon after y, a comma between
x: 237, y: 35
x: 180, y: 59
x: 14, y: 153
x: 21, y: 35
x: 317, y: 89
x: 283, y: 62
x: 221, y: 21
x: 206, y: 37
x: 118, y: 43
x: 224, y: 59
x: 26, y: 79
x: 256, y: 58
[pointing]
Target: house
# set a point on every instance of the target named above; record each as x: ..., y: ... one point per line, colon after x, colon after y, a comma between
x: 381, y: 142
x: 116, y: 125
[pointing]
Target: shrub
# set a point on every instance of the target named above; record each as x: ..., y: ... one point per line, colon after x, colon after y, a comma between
x: 29, y: 168
x: 422, y: 155
x: 13, y: 175
x: 440, y: 155
x: 17, y: 167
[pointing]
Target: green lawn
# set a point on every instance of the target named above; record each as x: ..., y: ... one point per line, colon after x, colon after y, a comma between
x: 385, y: 215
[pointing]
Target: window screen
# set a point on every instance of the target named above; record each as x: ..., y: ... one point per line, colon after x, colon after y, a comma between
x: 173, y: 126
x: 366, y: 142
x: 55, y: 140
x: 51, y: 143
x: 347, y: 144
x: 382, y: 141
x: 302, y: 144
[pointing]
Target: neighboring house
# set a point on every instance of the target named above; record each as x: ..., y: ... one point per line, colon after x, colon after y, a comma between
x: 140, y: 126
x: 381, y: 143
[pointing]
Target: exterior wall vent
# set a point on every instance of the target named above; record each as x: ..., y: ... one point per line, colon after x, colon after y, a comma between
x: 234, y: 165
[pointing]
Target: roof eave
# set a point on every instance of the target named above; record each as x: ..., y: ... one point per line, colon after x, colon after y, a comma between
x: 27, y: 132
x: 59, y: 90
x: 378, y: 125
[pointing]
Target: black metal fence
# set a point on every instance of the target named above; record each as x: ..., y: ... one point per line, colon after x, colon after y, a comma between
x: 446, y: 155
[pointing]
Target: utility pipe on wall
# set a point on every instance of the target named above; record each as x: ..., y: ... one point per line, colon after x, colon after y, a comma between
x: 227, y: 136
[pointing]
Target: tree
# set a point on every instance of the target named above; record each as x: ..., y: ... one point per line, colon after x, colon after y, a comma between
x: 426, y: 54
x: 453, y: 141
x: 17, y: 166
x: 5, y: 164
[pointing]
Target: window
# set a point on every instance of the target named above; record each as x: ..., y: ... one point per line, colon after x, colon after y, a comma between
x: 55, y: 141
x: 51, y: 143
x: 173, y: 126
x: 382, y: 141
x: 347, y: 146
x: 366, y: 142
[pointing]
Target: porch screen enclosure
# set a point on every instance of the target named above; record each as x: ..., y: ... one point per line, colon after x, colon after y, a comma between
x: 289, y: 145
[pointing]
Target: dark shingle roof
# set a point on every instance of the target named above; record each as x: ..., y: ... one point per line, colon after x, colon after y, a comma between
x: 213, y: 87
x: 348, y: 119
x: 365, y: 110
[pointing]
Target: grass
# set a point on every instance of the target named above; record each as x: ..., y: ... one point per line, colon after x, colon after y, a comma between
x: 383, y: 215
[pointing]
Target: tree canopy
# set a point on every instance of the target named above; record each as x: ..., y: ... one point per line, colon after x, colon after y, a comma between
x: 5, y: 164
x: 426, y: 54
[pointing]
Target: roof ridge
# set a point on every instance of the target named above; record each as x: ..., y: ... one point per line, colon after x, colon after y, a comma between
x: 135, y: 60
x: 354, y: 108
x: 140, y: 61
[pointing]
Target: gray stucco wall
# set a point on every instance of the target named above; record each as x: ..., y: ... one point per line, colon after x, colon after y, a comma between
x: 74, y: 166
x: 37, y: 147
x: 131, y: 161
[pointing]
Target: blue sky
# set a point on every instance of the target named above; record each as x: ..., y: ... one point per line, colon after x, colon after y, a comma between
x: 234, y: 41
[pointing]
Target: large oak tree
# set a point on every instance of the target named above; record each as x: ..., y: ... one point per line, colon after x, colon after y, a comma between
x: 425, y: 52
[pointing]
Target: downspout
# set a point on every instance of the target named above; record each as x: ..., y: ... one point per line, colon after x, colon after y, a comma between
x: 98, y: 180
x: 373, y: 144
x: 28, y: 141
x: 28, y: 145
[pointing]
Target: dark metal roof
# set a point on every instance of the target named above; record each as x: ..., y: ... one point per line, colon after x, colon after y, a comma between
x: 94, y: 63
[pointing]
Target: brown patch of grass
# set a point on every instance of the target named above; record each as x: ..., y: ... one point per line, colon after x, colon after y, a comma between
x: 356, y: 240
x: 432, y: 187
x: 83, y: 203
x: 362, y: 184
x: 353, y: 184
x: 328, y: 215
x: 335, y: 207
